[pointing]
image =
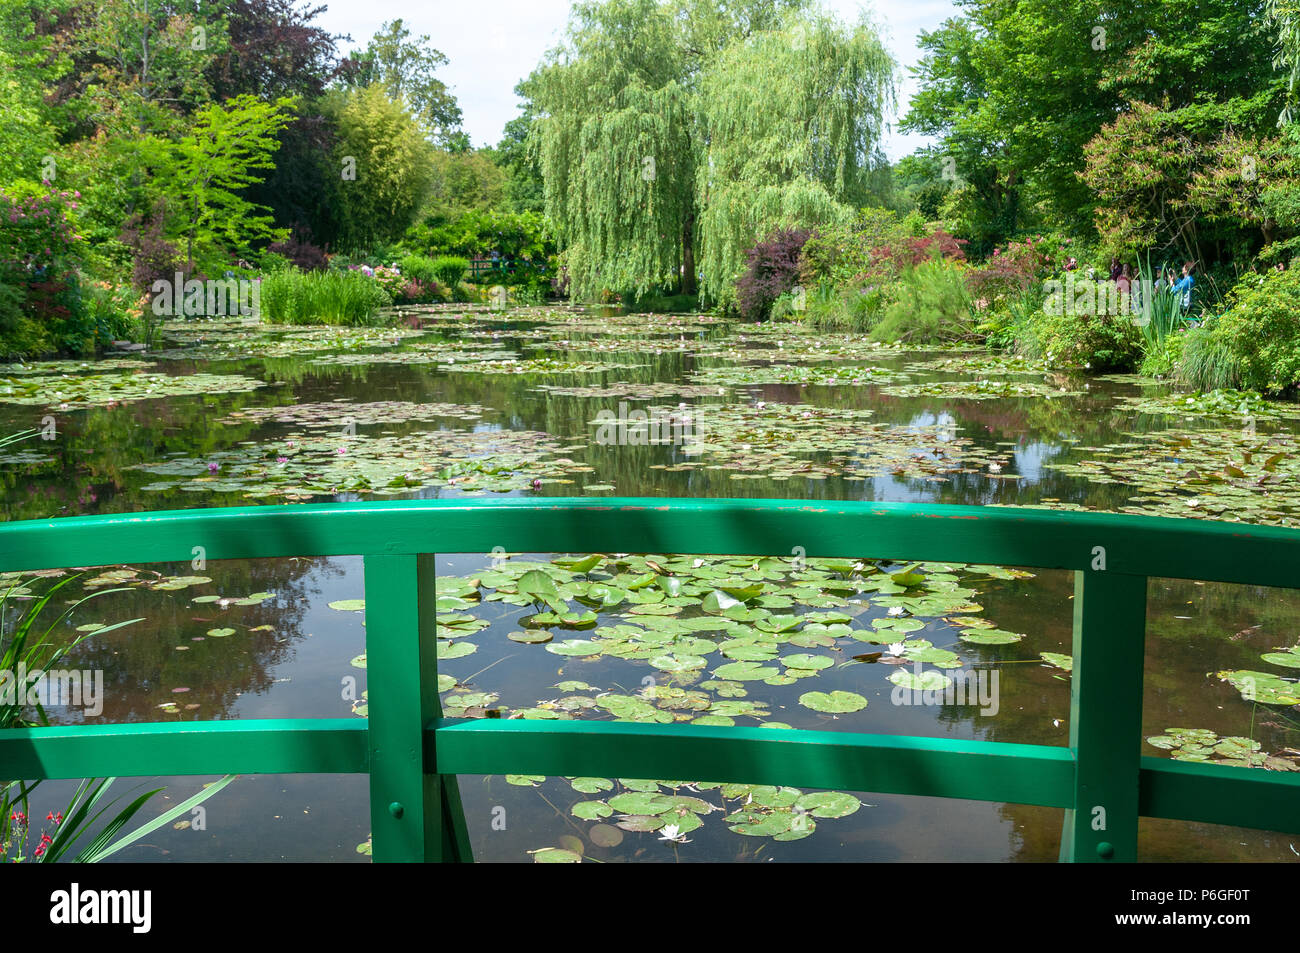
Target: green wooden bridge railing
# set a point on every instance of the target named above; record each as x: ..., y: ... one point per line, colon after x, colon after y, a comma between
x: 413, y: 754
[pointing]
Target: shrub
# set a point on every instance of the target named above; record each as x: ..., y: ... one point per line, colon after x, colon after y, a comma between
x: 315, y: 297
x: 39, y: 263
x: 1163, y: 358
x: 1096, y: 342
x: 932, y: 304
x: 302, y: 253
x: 1257, y: 336
x: 771, y: 270
x: 449, y: 270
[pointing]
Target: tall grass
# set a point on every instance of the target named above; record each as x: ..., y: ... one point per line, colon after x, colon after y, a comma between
x: 322, y: 297
x: 1208, y: 362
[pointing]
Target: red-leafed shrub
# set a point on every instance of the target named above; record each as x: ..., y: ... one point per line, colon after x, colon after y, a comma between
x: 771, y: 270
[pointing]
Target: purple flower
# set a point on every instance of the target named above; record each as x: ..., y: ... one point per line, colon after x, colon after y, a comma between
x: 213, y: 467
x: 281, y: 459
x: 537, y: 484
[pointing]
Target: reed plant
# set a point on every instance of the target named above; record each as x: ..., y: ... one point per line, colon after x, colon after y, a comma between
x: 350, y: 298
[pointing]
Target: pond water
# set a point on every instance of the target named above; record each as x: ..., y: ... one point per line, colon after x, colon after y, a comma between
x: 548, y: 402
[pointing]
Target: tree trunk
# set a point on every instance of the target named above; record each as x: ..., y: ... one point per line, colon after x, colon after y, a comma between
x: 688, y: 256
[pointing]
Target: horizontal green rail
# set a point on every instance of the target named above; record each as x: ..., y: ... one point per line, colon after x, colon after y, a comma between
x: 412, y: 754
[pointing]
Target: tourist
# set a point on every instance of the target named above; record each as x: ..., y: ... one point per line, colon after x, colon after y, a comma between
x: 1124, y: 280
x: 1184, y: 287
x: 1115, y: 270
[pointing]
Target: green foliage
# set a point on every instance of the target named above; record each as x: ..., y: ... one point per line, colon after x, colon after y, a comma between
x: 842, y: 252
x: 1099, y: 343
x: 405, y: 68
x: 513, y: 235
x: 932, y: 304
x: 1260, y: 332
x: 1207, y: 363
x: 383, y: 146
x: 1164, y: 357
x: 791, y: 117
x: 465, y: 181
x: 203, y: 173
x: 1015, y: 91
x: 322, y: 297
x: 788, y: 102
x: 450, y: 270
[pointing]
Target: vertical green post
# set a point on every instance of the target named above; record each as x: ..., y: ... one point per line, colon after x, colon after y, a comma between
x: 406, y: 820
x: 1106, y: 715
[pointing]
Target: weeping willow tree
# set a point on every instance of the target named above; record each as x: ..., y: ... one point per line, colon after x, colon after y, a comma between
x: 634, y: 147
x: 792, y: 121
x: 1284, y: 17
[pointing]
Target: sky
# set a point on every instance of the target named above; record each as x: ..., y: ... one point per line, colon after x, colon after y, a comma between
x: 490, y: 47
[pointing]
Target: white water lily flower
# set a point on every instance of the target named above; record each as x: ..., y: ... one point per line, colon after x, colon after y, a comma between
x: 896, y: 649
x: 896, y: 610
x: 672, y: 833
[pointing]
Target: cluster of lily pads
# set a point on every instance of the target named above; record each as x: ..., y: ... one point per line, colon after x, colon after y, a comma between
x: 70, y: 391
x: 1227, y: 474
x: 977, y: 389
x: 706, y: 631
x: 1201, y: 744
x: 772, y: 440
x: 821, y: 375
x: 673, y: 809
x: 307, y: 464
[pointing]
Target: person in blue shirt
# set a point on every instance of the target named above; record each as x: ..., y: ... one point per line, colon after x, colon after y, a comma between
x: 1184, y: 287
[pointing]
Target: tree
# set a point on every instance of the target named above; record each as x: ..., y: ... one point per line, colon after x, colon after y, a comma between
x: 274, y: 50
x: 792, y: 118
x: 406, y: 68
x: 1016, y: 88
x: 202, y: 173
x: 385, y: 166
x: 629, y: 120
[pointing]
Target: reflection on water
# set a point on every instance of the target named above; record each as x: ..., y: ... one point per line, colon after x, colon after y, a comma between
x: 291, y: 655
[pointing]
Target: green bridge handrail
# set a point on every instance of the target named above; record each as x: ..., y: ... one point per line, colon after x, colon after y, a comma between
x: 413, y: 754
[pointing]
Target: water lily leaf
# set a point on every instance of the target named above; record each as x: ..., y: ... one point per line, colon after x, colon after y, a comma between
x: 591, y: 785
x: 836, y: 702
x: 348, y: 605
x: 454, y: 650
x: 745, y: 671
x: 1061, y: 661
x: 220, y: 633
x: 605, y: 835
x: 555, y: 855
x: 716, y: 603
x: 525, y: 780
x: 1287, y: 659
x: 591, y: 810
x: 532, y: 637
x: 807, y: 661
x: 829, y: 804
x: 989, y: 636
x: 575, y: 647
x: 926, y: 681
x: 638, y: 802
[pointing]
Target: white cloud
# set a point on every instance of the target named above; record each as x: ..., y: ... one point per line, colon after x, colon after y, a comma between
x: 492, y: 47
